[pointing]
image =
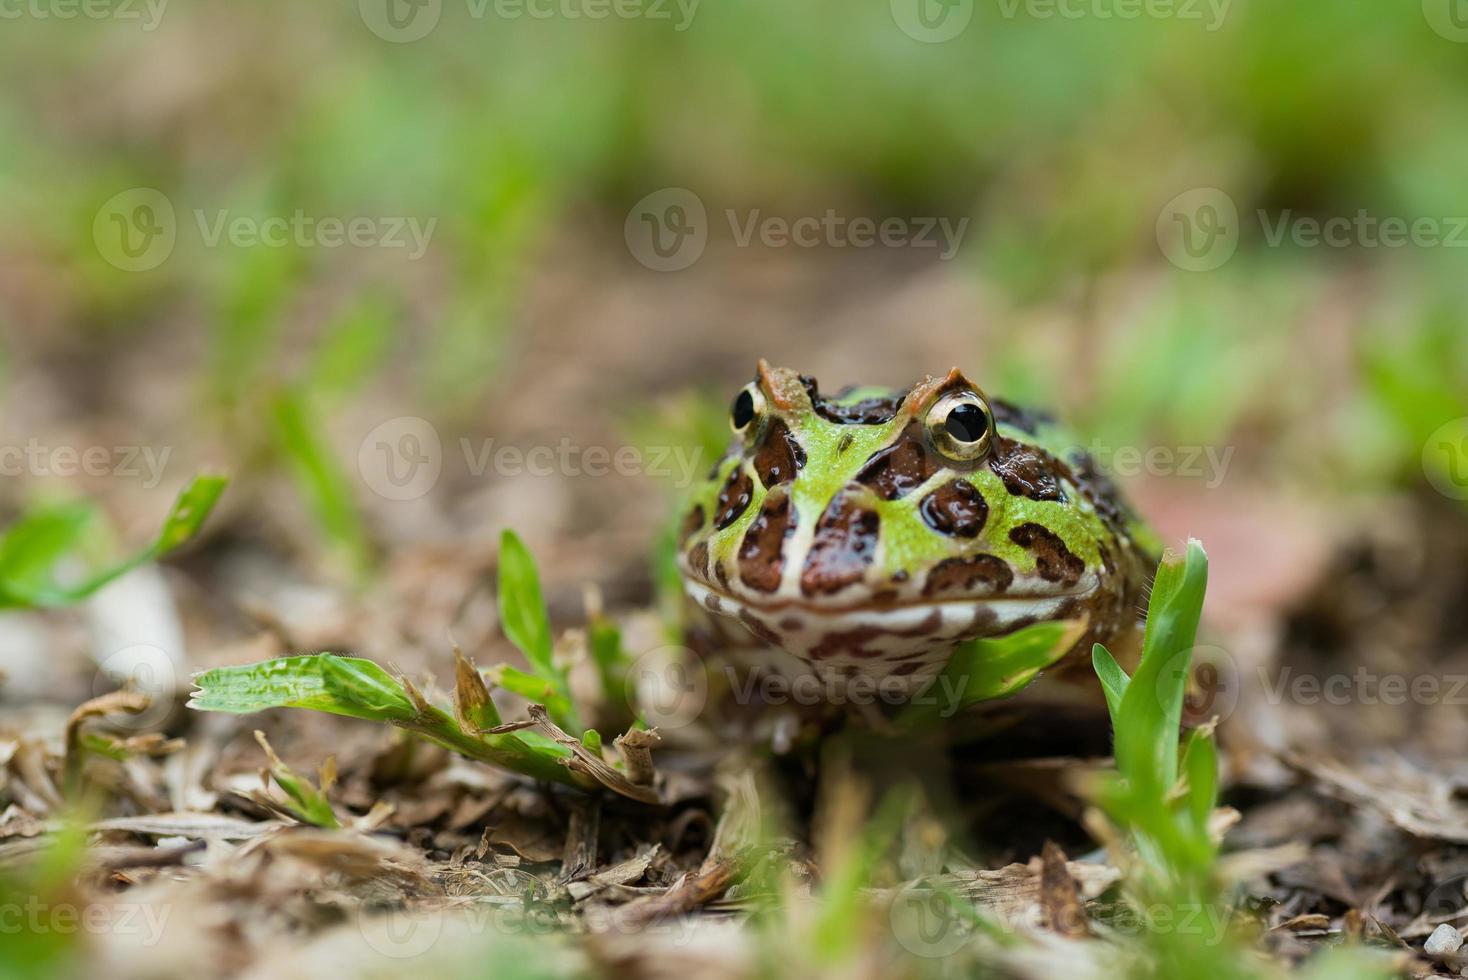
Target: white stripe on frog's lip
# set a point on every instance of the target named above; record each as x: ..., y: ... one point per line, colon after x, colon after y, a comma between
x: 877, y: 641
x: 907, y: 596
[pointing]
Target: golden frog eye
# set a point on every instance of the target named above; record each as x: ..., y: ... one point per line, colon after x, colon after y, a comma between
x: 747, y: 408
x: 961, y: 426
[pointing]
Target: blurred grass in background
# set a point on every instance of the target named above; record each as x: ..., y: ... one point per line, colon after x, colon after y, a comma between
x: 1062, y: 138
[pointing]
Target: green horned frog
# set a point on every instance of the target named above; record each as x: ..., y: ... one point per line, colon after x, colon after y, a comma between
x: 870, y: 532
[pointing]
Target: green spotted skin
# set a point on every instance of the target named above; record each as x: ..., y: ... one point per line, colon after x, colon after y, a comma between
x: 858, y: 533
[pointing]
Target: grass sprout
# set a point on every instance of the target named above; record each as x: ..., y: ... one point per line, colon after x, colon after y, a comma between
x: 44, y: 556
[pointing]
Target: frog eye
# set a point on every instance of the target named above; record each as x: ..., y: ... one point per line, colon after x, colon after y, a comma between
x: 961, y: 426
x: 747, y: 407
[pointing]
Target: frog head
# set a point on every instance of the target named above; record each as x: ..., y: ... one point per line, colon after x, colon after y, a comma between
x: 871, y: 531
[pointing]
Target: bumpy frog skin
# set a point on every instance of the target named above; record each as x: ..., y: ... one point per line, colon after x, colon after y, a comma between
x: 870, y: 532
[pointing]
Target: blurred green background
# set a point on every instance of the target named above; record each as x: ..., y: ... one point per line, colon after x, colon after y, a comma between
x: 524, y: 142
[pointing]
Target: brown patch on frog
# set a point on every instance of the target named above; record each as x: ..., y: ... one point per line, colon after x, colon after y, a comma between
x: 1025, y: 420
x: 903, y: 670
x: 722, y: 574
x: 713, y: 602
x: 778, y: 455
x: 956, y: 509
x: 1072, y: 608
x: 1026, y: 471
x: 758, y: 628
x: 884, y: 598
x: 734, y: 498
x: 902, y: 467
x: 964, y: 575
x: 900, y: 575
x: 844, y: 544
x: 1053, y: 560
x: 878, y: 410
x: 792, y: 624
x: 762, y: 552
x: 698, y: 560
x: 692, y: 524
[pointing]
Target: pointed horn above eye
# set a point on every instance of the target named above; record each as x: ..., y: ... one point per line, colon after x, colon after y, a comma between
x: 930, y: 387
x: 782, y: 386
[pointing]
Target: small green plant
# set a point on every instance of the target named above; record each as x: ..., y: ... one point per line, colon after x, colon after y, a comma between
x: 303, y: 800
x: 565, y: 752
x: 1164, y: 795
x: 48, y: 557
x: 1162, y: 798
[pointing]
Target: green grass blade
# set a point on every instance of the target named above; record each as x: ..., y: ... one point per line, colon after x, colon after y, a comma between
x: 361, y: 689
x: 531, y: 687
x: 319, y: 478
x: 522, y: 608
x: 33, y: 546
x: 1114, y: 680
x: 339, y: 685
x: 1151, y: 709
x: 1200, y: 766
x: 525, y: 621
x: 190, y: 511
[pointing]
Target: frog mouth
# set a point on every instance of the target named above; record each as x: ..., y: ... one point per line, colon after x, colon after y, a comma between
x: 975, y: 614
